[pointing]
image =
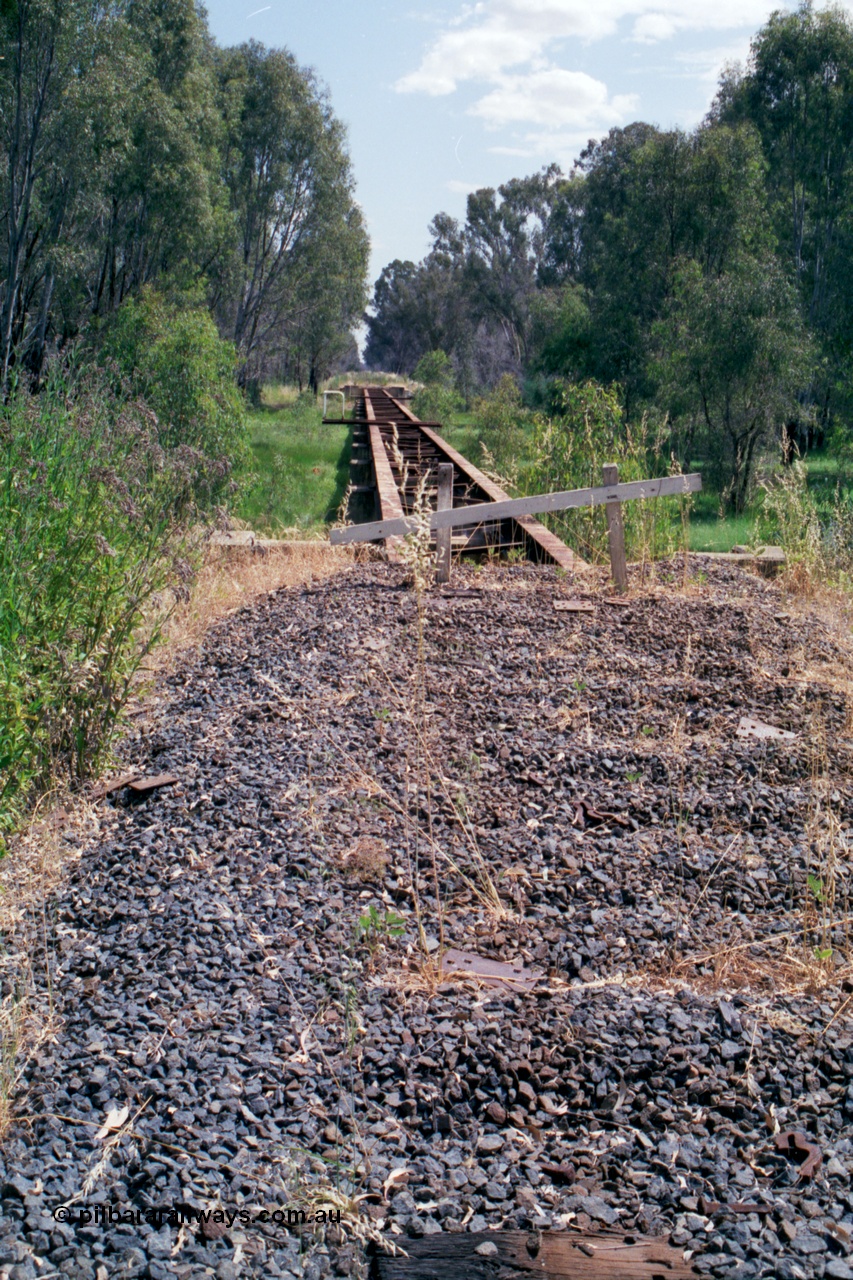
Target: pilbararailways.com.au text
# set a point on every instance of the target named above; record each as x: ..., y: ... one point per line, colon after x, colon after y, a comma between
x: 115, y: 1215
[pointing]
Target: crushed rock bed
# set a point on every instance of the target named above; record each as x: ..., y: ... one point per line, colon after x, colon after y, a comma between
x: 209, y: 973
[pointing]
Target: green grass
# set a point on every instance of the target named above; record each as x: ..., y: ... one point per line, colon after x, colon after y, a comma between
x: 711, y: 533
x: 468, y: 438
x: 465, y: 437
x: 301, y: 467
x: 827, y: 472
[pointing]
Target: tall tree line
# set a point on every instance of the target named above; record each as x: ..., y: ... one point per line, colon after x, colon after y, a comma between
x: 708, y: 274
x: 137, y: 153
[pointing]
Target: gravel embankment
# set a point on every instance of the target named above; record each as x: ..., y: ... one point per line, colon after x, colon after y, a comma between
x: 208, y: 972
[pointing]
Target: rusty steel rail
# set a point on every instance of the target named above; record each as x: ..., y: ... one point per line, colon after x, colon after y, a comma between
x: 401, y: 456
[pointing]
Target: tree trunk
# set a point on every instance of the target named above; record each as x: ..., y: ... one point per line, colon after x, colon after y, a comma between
x: 35, y: 357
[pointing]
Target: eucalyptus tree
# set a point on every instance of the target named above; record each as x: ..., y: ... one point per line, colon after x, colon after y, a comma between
x: 328, y: 302
x: 730, y: 350
x: 395, y: 337
x: 651, y: 200
x: 471, y: 296
x: 562, y: 239
x: 291, y: 189
x: 161, y: 213
x: 733, y: 352
x: 420, y: 307
x: 798, y: 91
x: 635, y: 211
x: 503, y: 241
x: 110, y: 146
x: 51, y: 51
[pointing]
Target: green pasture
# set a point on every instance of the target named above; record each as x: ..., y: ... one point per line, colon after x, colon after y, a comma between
x: 300, y: 465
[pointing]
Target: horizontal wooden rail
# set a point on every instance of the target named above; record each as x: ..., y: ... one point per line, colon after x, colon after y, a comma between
x: 513, y: 508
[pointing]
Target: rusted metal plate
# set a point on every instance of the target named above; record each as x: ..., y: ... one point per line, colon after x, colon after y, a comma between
x: 792, y: 1140
x: 586, y: 815
x: 491, y: 973
x: 711, y: 1207
x: 113, y: 784
x: 573, y: 606
x: 560, y: 1173
x: 143, y: 785
x: 509, y: 1255
x: 750, y: 728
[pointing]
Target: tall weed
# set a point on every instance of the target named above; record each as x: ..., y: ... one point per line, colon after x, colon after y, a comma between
x: 816, y: 533
x: 586, y: 431
x: 437, y: 399
x: 502, y: 421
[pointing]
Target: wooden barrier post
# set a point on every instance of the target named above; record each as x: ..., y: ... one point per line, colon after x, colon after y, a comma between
x: 616, y: 532
x: 512, y: 508
x: 443, y: 536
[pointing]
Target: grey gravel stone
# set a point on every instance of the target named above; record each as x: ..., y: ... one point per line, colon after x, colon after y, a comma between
x: 807, y: 1243
x: 489, y: 1143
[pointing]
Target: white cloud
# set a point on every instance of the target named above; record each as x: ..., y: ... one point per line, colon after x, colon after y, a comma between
x: 553, y: 148
x: 555, y: 98
x: 495, y: 36
x: 456, y: 56
x: 526, y: 152
x: 461, y: 188
x: 706, y: 64
x: 514, y: 52
x: 652, y: 27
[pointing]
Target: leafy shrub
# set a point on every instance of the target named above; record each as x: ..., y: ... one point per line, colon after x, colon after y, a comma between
x: 87, y: 541
x: 733, y: 359
x: 500, y: 417
x: 177, y: 362
x: 438, y: 399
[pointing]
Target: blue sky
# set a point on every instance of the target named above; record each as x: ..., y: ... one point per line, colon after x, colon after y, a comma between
x: 443, y: 98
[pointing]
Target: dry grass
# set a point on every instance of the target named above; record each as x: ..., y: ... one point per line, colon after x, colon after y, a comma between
x: 367, y: 860
x: 809, y: 591
x: 777, y: 966
x: 232, y: 577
